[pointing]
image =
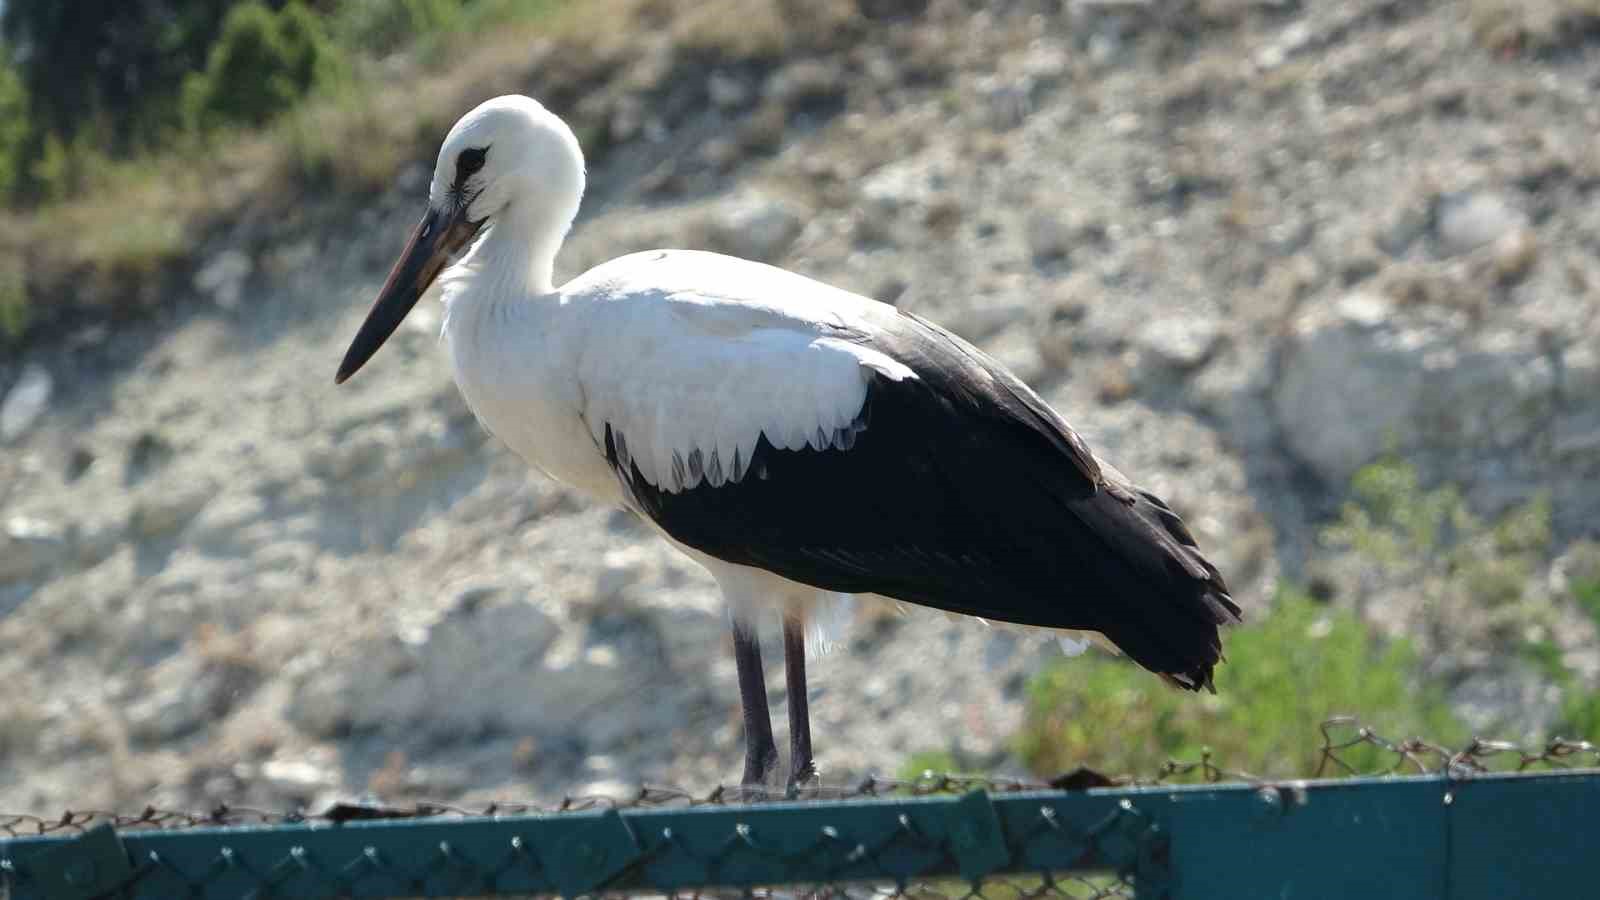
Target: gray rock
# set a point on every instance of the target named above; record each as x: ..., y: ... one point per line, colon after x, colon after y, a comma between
x: 1181, y: 343
x: 478, y: 668
x: 175, y: 712
x: 1580, y: 373
x: 805, y: 81
x: 688, y: 635
x: 166, y: 507
x: 96, y: 537
x: 1408, y: 225
x: 1467, y: 221
x: 721, y: 152
x: 756, y: 225
x: 1007, y: 100
x: 1576, y: 438
x: 1049, y: 236
x: 219, y: 525
x: 1360, y: 379
x: 1289, y: 42
x: 627, y: 118
x: 301, y: 255
x: 891, y: 9
x: 28, y: 546
x: 25, y: 402
x: 728, y: 91
x: 1517, y: 704
x: 894, y: 187
x: 298, y: 777
x: 223, y: 276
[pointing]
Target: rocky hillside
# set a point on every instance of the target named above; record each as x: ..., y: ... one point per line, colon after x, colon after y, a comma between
x: 1246, y: 247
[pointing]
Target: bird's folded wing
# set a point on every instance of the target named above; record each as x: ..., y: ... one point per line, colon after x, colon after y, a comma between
x: 693, y: 401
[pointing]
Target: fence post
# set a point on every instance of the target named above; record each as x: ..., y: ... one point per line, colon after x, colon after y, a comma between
x: 91, y: 865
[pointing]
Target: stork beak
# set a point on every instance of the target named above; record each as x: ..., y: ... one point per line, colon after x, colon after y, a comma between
x: 437, y: 237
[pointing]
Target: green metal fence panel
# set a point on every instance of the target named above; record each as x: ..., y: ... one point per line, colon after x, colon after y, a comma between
x: 1418, y: 837
x: 1520, y: 837
x: 1338, y: 840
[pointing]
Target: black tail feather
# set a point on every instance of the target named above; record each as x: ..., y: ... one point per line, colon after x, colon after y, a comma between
x: 1169, y: 601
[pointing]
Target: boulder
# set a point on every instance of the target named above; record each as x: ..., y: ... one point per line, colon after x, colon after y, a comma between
x: 27, y: 400
x: 28, y: 546
x: 1360, y: 378
x: 755, y: 225
x: 222, y: 278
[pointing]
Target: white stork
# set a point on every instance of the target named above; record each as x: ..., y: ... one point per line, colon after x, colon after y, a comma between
x: 799, y: 441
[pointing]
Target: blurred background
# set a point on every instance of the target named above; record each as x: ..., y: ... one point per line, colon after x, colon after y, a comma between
x: 1325, y: 275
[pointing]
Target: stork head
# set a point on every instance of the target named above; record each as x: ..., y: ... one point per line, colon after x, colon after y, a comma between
x: 508, y: 166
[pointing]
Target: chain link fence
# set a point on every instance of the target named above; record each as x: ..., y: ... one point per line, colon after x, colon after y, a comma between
x: 1083, y: 834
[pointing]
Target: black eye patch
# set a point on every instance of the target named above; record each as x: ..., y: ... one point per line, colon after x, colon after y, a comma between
x: 469, y: 162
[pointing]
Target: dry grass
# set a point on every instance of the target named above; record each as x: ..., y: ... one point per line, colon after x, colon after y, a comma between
x: 739, y: 29
x: 139, y: 219
x: 122, y: 242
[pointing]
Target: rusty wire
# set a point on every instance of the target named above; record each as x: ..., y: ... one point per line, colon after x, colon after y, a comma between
x: 1416, y: 756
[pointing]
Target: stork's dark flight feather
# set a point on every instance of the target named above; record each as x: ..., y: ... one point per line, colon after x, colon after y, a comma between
x: 964, y: 492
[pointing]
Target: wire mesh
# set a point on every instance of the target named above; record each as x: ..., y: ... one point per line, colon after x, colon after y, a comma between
x: 912, y: 853
x: 819, y: 841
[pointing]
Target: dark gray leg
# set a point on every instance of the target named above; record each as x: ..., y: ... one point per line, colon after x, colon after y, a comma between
x: 801, y: 769
x: 760, y: 751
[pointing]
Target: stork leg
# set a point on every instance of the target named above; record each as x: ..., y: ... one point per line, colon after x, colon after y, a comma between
x: 760, y: 751
x: 801, y: 769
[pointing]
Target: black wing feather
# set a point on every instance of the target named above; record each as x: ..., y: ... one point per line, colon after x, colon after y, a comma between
x: 965, y: 492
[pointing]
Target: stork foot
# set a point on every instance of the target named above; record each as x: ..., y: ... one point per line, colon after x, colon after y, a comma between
x: 799, y: 779
x: 758, y: 765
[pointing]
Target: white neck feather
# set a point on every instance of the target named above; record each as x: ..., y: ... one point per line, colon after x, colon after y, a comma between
x: 515, y: 258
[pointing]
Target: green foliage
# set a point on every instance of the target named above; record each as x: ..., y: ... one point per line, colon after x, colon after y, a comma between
x: 263, y: 64
x: 939, y: 761
x: 1286, y: 673
x: 1394, y: 522
x: 1390, y: 518
x: 1546, y: 656
x: 114, y: 66
x: 1479, y: 580
x: 1473, y: 578
x: 1586, y: 592
x: 14, y: 124
x: 1580, y: 715
x: 13, y: 302
x: 384, y: 26
x: 1580, y: 708
x: 61, y: 168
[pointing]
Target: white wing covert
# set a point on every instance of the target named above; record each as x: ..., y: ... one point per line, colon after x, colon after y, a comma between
x: 706, y: 379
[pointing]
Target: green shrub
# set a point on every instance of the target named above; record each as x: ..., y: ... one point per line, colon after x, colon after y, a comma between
x: 1286, y: 673
x: 939, y: 762
x: 13, y: 300
x: 1580, y: 707
x: 61, y: 169
x: 1397, y: 525
x: 14, y: 125
x: 1456, y: 578
x: 1584, y: 575
x: 384, y: 26
x: 261, y: 65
